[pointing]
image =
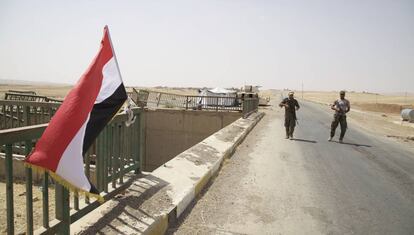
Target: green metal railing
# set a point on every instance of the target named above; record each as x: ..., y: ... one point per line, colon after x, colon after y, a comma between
x: 15, y: 113
x: 250, y: 105
x: 237, y: 103
x: 216, y: 103
x: 24, y: 96
x: 113, y: 159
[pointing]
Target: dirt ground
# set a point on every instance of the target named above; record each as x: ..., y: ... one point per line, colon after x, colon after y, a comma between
x: 19, y: 194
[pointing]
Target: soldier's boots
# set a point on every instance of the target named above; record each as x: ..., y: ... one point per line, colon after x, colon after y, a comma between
x: 292, y: 129
x: 289, y: 133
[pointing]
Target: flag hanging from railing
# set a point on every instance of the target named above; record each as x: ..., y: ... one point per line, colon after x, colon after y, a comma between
x: 88, y: 107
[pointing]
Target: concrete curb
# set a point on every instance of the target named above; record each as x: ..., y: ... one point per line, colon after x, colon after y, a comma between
x: 157, y: 200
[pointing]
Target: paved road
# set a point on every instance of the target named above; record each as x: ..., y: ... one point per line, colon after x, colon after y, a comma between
x: 308, y: 185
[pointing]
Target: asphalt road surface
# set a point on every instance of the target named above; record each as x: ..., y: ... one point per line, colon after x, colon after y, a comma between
x: 308, y: 185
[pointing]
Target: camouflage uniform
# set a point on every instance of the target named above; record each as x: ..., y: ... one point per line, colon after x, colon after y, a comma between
x: 340, y: 117
x: 290, y: 115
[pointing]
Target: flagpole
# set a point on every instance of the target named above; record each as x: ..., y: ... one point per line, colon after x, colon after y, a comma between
x: 113, y: 52
x: 131, y: 116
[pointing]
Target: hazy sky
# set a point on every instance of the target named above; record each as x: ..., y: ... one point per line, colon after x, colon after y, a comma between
x: 329, y: 45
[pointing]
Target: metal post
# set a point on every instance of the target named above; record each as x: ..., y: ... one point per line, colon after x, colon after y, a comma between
x: 76, y: 200
x: 142, y: 139
x: 98, y: 162
x: 159, y: 99
x: 9, y: 189
x: 42, y: 109
x: 26, y: 115
x: 4, y: 117
x: 87, y: 170
x: 243, y: 106
x: 11, y: 117
x: 115, y: 155
x: 102, y: 160
x: 18, y: 115
x: 62, y: 209
x: 122, y: 152
x: 105, y: 159
x: 111, y: 153
x: 108, y: 155
x: 45, y: 197
x: 136, y: 146
x: 29, y: 192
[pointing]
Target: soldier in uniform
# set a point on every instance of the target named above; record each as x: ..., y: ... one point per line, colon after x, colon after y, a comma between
x: 291, y: 105
x: 341, y: 107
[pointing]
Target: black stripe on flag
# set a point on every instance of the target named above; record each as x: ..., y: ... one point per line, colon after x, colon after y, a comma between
x: 101, y: 114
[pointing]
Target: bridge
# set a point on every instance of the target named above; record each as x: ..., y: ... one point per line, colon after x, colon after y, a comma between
x: 114, y: 162
x: 244, y: 178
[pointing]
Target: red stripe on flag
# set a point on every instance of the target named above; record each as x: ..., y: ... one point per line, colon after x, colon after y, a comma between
x: 73, y: 112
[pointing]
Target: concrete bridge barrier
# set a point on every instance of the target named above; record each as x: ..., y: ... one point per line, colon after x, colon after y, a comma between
x: 158, y: 199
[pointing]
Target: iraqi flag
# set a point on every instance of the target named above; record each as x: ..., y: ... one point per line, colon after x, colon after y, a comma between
x: 88, y: 107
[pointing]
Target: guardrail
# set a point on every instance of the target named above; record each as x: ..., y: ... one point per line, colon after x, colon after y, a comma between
x: 188, y: 102
x: 29, y: 97
x: 168, y: 100
x: 14, y: 113
x: 115, y: 157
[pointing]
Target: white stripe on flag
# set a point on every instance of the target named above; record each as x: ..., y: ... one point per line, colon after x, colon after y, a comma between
x: 110, y: 82
x: 71, y: 166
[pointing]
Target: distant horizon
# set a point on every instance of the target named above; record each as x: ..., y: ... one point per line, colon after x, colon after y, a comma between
x: 46, y: 83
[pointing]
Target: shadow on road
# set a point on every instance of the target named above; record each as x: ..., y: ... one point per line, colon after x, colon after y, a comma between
x: 353, y: 144
x: 303, y: 140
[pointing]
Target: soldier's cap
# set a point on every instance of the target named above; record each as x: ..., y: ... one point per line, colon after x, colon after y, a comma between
x: 342, y: 92
x: 291, y: 93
